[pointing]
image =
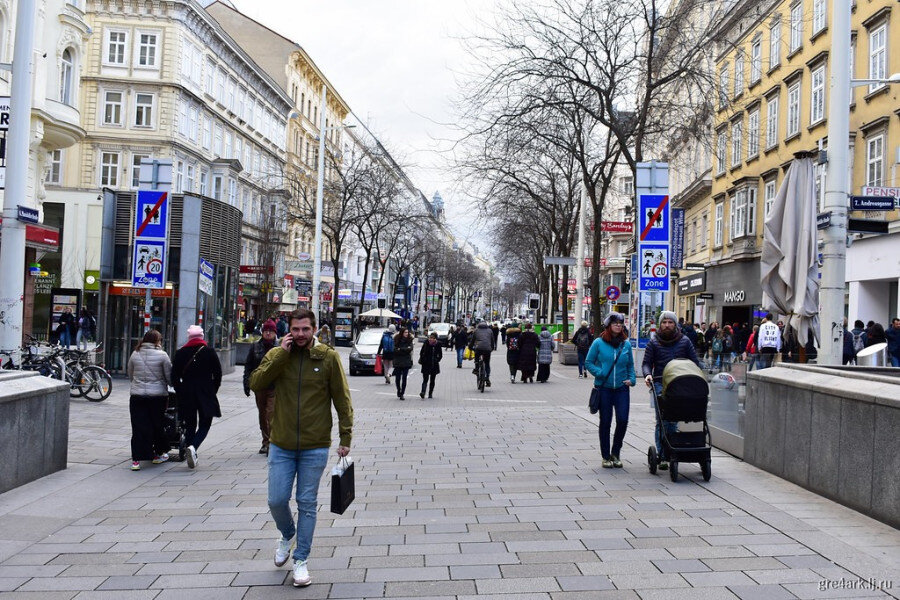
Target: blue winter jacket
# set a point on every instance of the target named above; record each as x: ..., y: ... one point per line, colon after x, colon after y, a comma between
x: 893, y: 338
x: 600, y: 359
x: 659, y: 353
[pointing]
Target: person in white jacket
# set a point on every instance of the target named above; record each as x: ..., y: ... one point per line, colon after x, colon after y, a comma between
x: 150, y: 372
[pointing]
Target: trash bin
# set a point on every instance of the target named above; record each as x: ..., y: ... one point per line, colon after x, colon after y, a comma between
x: 873, y: 356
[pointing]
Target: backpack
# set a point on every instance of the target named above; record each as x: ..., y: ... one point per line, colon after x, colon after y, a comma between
x: 387, y: 343
x: 512, y: 343
x: 858, y: 343
x: 717, y: 345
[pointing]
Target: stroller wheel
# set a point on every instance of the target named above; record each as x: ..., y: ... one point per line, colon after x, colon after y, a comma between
x: 673, y: 470
x: 652, y: 461
x: 706, y: 467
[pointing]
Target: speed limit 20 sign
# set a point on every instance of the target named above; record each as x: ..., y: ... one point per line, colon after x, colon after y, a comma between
x: 653, y: 265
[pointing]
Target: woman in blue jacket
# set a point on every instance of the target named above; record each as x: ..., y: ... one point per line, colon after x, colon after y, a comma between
x: 611, y: 362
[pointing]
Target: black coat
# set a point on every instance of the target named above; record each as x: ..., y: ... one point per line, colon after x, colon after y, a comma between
x: 430, y: 358
x: 196, y: 377
x: 403, y: 352
x: 528, y: 345
x: 512, y: 356
x: 254, y: 357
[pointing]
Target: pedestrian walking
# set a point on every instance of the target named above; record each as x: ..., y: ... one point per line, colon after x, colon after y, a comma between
x: 196, y: 376
x: 893, y: 339
x: 67, y: 327
x: 768, y: 341
x: 324, y: 335
x: 301, y: 432
x: 386, y: 350
x: 751, y: 351
x: 430, y: 359
x: 546, y: 346
x: 86, y: 328
x: 149, y: 370
x: 876, y: 335
x: 403, y: 348
x: 727, y: 347
x: 668, y: 345
x: 528, y: 345
x: 582, y: 340
x: 513, y: 333
x: 265, y: 399
x: 460, y: 339
x: 611, y: 361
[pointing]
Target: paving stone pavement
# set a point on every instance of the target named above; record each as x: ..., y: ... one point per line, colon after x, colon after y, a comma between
x: 468, y: 495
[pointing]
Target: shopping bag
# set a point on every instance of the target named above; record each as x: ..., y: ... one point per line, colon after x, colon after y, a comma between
x: 469, y: 354
x: 379, y: 366
x: 594, y: 401
x: 343, y: 485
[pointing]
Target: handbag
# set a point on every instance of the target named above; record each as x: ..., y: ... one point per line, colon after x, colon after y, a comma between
x: 594, y: 400
x: 343, y: 485
x: 379, y: 365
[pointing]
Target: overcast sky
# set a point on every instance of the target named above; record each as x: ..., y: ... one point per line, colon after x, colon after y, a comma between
x: 396, y: 63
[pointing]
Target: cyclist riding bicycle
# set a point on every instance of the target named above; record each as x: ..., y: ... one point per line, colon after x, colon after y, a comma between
x: 483, y: 343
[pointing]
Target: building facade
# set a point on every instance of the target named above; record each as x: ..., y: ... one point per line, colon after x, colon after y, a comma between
x: 61, y: 37
x: 773, y: 74
x: 172, y: 84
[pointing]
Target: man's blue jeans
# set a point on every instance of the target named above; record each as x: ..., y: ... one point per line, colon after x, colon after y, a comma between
x: 582, y: 355
x: 618, y: 401
x: 671, y: 426
x: 306, y: 467
x: 459, y: 355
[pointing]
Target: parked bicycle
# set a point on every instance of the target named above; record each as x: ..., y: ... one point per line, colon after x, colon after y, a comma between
x: 88, y: 380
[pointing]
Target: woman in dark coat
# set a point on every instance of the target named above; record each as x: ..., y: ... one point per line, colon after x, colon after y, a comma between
x: 513, y: 333
x: 528, y: 347
x: 196, y: 377
x: 430, y: 358
x: 403, y: 347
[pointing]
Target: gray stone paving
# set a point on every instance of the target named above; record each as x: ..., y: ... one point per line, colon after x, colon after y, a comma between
x: 494, y: 495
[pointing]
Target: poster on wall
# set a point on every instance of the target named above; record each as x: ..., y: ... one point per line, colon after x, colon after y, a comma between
x: 60, y: 300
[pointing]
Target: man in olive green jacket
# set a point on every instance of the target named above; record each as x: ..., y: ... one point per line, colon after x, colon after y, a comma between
x: 308, y: 379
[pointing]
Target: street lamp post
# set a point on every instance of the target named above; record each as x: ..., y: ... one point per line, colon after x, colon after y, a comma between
x: 12, y: 251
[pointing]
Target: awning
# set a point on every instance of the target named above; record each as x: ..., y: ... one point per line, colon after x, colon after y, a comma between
x: 40, y: 237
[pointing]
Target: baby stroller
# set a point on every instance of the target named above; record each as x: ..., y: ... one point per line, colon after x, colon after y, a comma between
x: 685, y: 395
x: 174, y: 428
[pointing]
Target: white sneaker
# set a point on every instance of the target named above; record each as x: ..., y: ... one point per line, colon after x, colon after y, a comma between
x: 283, y: 551
x: 301, y: 574
x: 191, y: 457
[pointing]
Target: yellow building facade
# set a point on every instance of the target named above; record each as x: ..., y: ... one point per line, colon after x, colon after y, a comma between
x: 772, y: 102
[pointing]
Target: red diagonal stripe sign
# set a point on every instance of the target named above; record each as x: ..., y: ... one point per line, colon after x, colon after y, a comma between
x: 152, y: 213
x: 655, y: 217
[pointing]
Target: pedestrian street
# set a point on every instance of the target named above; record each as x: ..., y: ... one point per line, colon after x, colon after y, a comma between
x: 497, y: 495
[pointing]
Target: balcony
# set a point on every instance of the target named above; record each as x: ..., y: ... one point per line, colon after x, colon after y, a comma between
x: 62, y: 125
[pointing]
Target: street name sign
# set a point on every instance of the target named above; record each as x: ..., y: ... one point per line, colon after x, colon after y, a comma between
x: 823, y: 220
x: 562, y: 261
x: 872, y: 203
x: 205, y: 278
x: 617, y: 226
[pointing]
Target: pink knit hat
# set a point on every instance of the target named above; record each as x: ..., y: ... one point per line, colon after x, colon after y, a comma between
x: 195, y: 331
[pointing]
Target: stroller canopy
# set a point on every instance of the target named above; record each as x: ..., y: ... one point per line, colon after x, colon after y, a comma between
x: 684, y: 379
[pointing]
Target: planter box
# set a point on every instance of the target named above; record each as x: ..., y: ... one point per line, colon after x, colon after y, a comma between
x: 34, y: 427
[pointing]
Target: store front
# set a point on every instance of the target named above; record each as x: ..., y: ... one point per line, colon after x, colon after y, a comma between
x: 202, y: 231
x: 692, y: 298
x: 736, y: 293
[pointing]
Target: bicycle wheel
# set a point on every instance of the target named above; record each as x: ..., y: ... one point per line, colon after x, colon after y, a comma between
x: 75, y: 378
x: 481, y: 378
x: 96, y: 383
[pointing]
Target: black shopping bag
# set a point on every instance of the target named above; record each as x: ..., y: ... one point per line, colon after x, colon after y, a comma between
x: 343, y: 486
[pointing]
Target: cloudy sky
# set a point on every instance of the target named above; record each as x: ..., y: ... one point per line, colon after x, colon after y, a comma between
x: 396, y: 63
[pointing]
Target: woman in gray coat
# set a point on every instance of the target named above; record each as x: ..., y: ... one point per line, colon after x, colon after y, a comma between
x: 149, y: 369
x: 545, y: 354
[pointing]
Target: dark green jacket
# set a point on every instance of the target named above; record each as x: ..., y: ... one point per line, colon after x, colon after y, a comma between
x: 315, y: 377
